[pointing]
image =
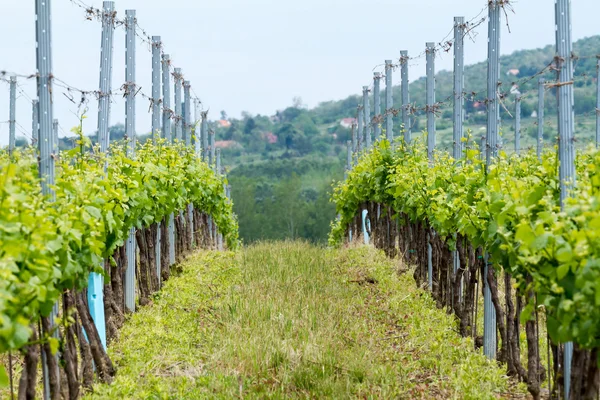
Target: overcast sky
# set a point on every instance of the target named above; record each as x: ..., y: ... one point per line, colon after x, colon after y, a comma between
x: 256, y: 55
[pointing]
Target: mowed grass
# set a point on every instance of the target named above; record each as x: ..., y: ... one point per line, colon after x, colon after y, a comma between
x: 290, y: 320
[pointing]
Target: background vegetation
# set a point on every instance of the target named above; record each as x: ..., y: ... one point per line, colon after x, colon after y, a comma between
x: 281, y: 167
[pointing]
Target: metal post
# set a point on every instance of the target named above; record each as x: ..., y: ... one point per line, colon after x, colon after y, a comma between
x: 405, y: 96
x: 218, y: 162
x: 493, y: 120
x: 459, y: 85
x: 13, y: 115
x: 354, y: 141
x: 168, y: 135
x: 218, y: 171
x: 187, y: 125
x: 389, y: 103
x: 429, y: 263
x: 35, y: 129
x: 377, y: 103
x: 540, y: 117
x: 171, y: 239
x: 131, y: 246
x: 44, y: 89
x: 55, y: 137
x: 493, y: 111
x: 204, y: 129
x: 156, y: 122
x: 361, y: 133
x: 430, y: 97
x: 430, y: 88
x: 211, y: 158
x: 106, y: 65
x: 482, y: 148
x: 566, y: 127
x: 197, y: 137
x: 518, y: 124
x: 177, y: 77
x: 598, y: 103
x: 459, y: 111
x: 187, y: 122
x: 367, y: 116
x: 212, y: 147
x: 349, y: 159
x: 95, y: 293
x: 44, y: 92
x: 166, y: 88
x: 156, y: 45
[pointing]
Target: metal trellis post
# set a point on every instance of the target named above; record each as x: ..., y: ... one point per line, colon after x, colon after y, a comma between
x: 430, y: 97
x: 430, y: 87
x: 204, y: 129
x: 167, y: 132
x: 540, y: 117
x: 349, y: 159
x: 187, y: 122
x: 131, y: 246
x: 35, y: 125
x: 187, y: 125
x: 518, y: 124
x: 218, y: 171
x: 361, y: 131
x: 156, y: 122
x: 566, y: 128
x: 212, y: 159
x: 12, y: 115
x: 44, y: 92
x: 354, y: 142
x: 367, y: 116
x: 197, y: 124
x: 389, y: 102
x: 178, y: 110
x: 106, y: 65
x: 459, y: 110
x: 55, y: 137
x: 493, y: 120
x: 95, y: 292
x: 377, y: 104
x: 168, y: 135
x: 459, y: 85
x: 166, y: 89
x: 156, y: 45
x: 405, y: 96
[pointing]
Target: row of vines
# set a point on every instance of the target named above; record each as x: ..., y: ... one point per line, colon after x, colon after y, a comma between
x: 541, y: 260
x: 49, y: 247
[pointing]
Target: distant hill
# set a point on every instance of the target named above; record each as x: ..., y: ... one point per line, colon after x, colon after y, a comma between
x: 298, y: 131
x: 281, y: 166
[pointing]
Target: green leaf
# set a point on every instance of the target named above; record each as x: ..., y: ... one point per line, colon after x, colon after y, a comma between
x: 4, y: 380
x: 564, y: 254
x: 562, y: 271
x: 54, y: 344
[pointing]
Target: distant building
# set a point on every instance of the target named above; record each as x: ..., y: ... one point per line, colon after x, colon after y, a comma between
x: 515, y: 89
x: 347, y: 122
x: 226, y: 144
x: 513, y: 72
x: 223, y: 123
x: 271, y: 137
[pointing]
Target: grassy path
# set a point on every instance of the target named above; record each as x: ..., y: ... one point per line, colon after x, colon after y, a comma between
x: 293, y: 321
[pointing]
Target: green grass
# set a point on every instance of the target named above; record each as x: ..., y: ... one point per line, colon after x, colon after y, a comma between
x: 289, y: 320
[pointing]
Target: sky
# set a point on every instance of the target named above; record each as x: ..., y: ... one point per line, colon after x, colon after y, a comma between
x: 257, y: 55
